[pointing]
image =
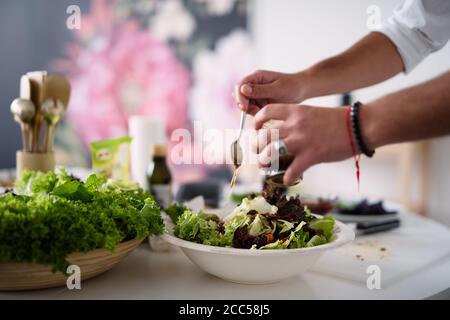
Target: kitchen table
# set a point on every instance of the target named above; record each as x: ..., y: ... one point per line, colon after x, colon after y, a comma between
x: 156, y: 275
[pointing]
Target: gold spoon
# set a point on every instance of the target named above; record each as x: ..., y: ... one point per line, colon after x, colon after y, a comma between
x: 236, y: 151
x: 52, y: 111
x: 24, y: 111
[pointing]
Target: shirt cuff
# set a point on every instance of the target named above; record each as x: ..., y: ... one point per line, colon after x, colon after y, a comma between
x: 412, y: 46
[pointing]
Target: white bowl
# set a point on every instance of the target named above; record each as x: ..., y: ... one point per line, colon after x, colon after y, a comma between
x: 256, y: 266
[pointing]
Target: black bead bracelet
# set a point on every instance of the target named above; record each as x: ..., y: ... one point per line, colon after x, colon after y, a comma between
x: 356, y: 129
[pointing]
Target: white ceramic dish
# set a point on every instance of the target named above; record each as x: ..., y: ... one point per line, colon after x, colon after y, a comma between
x: 256, y: 266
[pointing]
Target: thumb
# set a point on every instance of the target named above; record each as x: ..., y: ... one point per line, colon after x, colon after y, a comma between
x: 259, y: 91
x: 295, y: 170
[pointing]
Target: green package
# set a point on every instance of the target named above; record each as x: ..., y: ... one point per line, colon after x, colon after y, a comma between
x: 111, y: 158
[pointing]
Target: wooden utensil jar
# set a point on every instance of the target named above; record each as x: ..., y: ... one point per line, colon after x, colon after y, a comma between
x: 42, y: 103
x: 43, y: 162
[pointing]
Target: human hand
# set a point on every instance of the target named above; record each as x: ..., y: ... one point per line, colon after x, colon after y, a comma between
x: 311, y: 134
x: 265, y: 87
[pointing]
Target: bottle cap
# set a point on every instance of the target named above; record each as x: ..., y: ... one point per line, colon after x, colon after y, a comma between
x: 159, y: 150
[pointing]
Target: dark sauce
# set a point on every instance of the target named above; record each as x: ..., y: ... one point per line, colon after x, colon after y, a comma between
x: 276, y: 177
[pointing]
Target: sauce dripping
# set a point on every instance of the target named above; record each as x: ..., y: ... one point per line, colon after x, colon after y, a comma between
x: 234, y: 178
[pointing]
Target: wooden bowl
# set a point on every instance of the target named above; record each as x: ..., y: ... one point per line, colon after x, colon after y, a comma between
x: 27, y: 276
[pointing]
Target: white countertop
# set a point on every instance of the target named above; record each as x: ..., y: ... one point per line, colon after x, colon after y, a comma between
x: 157, y: 275
x: 150, y: 275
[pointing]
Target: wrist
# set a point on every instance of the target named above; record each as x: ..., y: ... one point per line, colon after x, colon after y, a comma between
x: 304, y: 83
x: 371, y: 128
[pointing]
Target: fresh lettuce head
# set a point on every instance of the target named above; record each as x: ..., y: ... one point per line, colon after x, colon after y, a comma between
x: 57, y: 214
x: 32, y: 182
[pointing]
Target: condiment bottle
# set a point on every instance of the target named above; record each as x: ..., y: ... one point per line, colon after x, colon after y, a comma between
x: 159, y: 177
x: 159, y: 181
x: 275, y: 177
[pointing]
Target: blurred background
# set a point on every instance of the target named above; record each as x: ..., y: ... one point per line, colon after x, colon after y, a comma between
x: 178, y: 61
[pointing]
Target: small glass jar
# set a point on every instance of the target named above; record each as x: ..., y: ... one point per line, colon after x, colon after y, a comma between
x: 275, y: 177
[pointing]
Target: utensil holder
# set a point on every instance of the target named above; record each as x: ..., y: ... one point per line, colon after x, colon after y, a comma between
x: 34, y: 161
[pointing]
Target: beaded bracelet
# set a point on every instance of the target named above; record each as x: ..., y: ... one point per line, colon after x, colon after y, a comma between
x: 356, y: 130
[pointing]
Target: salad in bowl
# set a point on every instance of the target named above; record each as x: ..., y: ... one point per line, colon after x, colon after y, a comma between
x: 267, y: 238
x: 258, y: 223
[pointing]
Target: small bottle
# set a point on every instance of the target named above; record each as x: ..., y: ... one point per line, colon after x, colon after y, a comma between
x: 159, y: 177
x: 275, y: 177
x: 159, y: 181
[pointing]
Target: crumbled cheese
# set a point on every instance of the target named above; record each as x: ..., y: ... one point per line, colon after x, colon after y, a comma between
x: 259, y: 204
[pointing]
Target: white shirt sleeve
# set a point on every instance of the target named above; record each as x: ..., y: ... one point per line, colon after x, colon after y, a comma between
x: 418, y: 28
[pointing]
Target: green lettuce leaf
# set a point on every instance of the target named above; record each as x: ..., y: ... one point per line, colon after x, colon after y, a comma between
x: 279, y: 244
x: 283, y: 244
x: 152, y: 214
x: 35, y: 182
x: 299, y: 240
x: 260, y: 225
x: 324, y: 226
x: 199, y: 227
x: 175, y: 211
x: 284, y: 225
x: 231, y: 226
x: 316, y: 241
x: 94, y: 182
x: 72, y: 190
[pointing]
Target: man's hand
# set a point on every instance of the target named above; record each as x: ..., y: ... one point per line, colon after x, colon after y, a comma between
x: 371, y: 60
x: 312, y: 134
x: 264, y: 87
x: 315, y: 134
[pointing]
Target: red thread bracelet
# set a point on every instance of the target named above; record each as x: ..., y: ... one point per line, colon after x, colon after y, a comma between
x: 356, y: 155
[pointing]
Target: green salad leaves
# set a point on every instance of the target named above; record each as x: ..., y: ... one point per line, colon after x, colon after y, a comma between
x: 56, y: 214
x: 291, y: 227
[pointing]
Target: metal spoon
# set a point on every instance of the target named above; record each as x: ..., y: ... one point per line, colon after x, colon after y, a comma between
x: 52, y: 111
x: 24, y: 111
x: 236, y: 150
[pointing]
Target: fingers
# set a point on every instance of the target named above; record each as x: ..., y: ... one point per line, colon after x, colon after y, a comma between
x: 259, y: 91
x: 259, y: 77
x: 240, y: 99
x: 269, y: 156
x: 296, y: 169
x: 246, y: 105
x: 251, y: 109
x: 254, y: 86
x: 271, y: 112
x: 265, y: 136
